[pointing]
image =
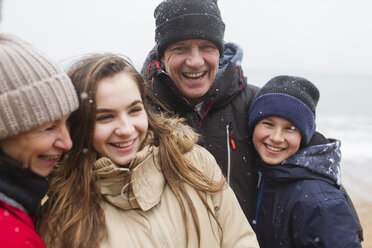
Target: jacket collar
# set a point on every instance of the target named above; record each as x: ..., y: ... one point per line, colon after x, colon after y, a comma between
x: 147, y: 181
x: 317, y: 162
x: 321, y: 159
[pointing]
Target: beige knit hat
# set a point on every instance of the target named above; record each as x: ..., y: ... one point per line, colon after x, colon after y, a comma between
x: 33, y: 90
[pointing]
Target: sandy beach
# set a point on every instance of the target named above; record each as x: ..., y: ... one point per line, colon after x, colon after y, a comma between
x: 358, y: 188
x: 364, y: 209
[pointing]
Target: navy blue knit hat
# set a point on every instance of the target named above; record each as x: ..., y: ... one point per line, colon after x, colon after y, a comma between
x: 178, y: 20
x: 292, y: 98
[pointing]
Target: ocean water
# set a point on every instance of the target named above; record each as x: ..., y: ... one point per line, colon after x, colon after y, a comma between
x: 344, y: 112
x: 355, y: 134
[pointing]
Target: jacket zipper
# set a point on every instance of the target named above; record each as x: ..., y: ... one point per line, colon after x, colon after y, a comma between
x: 229, y: 141
x: 260, y: 185
x: 163, y: 227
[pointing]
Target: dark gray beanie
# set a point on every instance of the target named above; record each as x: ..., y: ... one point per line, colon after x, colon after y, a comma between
x: 289, y: 97
x: 178, y: 20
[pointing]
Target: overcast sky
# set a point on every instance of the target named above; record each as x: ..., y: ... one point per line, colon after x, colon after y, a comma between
x: 333, y: 36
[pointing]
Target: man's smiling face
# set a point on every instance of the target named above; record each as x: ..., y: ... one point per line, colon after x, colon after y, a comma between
x: 192, y: 65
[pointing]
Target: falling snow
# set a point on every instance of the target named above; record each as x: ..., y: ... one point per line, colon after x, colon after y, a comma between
x: 83, y: 95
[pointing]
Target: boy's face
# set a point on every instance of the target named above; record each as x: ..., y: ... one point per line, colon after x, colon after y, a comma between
x: 276, y: 139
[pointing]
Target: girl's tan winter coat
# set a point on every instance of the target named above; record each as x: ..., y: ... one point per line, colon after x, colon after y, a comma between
x: 152, y: 217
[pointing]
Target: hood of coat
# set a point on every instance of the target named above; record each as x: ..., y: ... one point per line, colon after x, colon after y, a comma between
x: 317, y: 162
x: 220, y: 93
x: 147, y: 182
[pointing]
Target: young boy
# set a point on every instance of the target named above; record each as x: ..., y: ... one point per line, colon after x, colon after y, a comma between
x: 299, y: 202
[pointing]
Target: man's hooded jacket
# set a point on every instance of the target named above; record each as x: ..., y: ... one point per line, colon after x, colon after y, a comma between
x: 221, y: 120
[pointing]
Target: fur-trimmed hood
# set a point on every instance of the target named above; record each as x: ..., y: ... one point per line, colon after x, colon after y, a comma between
x: 183, y: 134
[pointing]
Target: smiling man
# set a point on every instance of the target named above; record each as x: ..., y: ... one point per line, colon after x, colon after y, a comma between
x: 195, y: 74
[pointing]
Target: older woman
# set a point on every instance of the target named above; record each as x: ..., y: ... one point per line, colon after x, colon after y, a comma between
x: 36, y: 99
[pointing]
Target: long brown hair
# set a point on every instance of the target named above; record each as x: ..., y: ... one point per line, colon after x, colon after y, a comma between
x: 73, y: 214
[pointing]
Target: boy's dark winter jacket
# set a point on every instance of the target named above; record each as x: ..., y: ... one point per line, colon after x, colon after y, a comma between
x: 300, y: 203
x: 222, y: 120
